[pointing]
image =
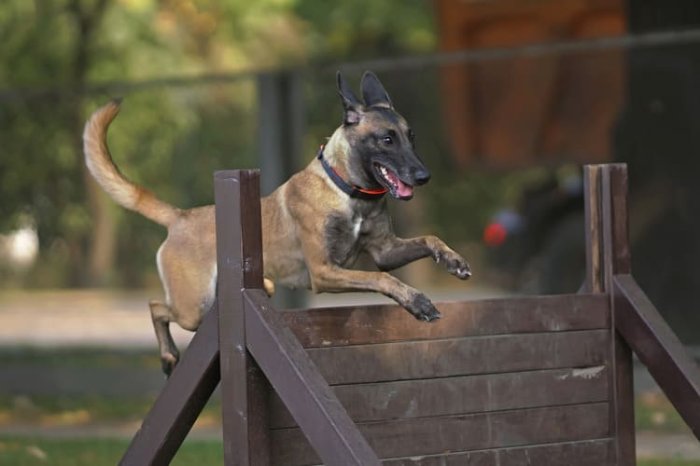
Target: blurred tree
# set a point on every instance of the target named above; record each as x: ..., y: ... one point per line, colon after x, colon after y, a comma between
x: 170, y: 138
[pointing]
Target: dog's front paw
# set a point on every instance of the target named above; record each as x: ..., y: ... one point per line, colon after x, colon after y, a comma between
x: 423, y: 309
x: 455, y: 264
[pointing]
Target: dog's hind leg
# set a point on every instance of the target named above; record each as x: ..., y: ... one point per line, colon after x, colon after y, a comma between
x: 169, y: 355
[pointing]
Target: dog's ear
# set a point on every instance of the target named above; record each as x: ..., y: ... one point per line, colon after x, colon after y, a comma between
x: 351, y: 105
x: 373, y: 92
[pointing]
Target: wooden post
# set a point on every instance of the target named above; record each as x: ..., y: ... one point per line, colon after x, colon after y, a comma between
x: 252, y: 324
x: 594, y: 240
x: 244, y: 389
x: 616, y: 260
x: 607, y: 254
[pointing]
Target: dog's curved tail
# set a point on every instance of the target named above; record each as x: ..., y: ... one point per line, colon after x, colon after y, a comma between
x: 99, y: 162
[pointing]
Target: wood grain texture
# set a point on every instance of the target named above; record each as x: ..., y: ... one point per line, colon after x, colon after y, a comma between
x: 585, y: 453
x: 360, y: 325
x: 239, y: 265
x: 302, y: 388
x: 437, y: 435
x: 461, y: 356
x: 462, y: 395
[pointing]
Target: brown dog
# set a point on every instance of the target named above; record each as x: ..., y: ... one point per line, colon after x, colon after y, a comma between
x: 314, y: 226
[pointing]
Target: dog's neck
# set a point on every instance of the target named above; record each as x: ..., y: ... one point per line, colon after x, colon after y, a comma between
x: 337, y: 151
x: 338, y: 154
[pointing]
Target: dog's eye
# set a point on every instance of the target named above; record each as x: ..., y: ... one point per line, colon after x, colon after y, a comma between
x: 387, y: 140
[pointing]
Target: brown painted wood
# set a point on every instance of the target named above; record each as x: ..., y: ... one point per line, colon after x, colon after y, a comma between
x: 659, y: 349
x: 613, y: 199
x: 585, y: 453
x: 387, y: 323
x: 436, y: 435
x: 179, y: 403
x: 463, y: 395
x: 461, y: 356
x: 301, y: 387
x: 592, y: 211
x: 239, y: 265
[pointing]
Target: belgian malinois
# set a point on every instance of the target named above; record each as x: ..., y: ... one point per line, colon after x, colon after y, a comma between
x: 314, y: 226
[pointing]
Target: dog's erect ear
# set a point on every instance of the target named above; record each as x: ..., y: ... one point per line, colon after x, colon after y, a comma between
x: 351, y: 105
x: 373, y: 92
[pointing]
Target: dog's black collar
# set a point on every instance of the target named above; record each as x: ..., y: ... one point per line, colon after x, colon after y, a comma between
x: 349, y: 189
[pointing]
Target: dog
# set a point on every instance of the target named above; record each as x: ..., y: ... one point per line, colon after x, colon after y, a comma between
x: 314, y: 226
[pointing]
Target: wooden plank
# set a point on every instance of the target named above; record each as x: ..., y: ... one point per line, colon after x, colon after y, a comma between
x: 437, y: 435
x: 597, y: 452
x: 179, y: 403
x: 463, y: 395
x: 301, y: 387
x: 239, y: 266
x: 461, y: 356
x: 389, y: 323
x: 659, y: 349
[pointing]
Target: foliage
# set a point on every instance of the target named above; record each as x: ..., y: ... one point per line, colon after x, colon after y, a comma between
x: 169, y: 137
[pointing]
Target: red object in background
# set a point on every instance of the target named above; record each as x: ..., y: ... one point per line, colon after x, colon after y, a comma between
x: 494, y: 234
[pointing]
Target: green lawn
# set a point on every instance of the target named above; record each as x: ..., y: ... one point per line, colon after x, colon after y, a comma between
x: 95, y: 452
x: 107, y: 452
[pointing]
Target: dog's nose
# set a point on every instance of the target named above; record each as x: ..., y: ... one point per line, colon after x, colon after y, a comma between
x: 421, y: 176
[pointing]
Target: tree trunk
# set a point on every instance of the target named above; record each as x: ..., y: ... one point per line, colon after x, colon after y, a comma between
x: 101, y: 242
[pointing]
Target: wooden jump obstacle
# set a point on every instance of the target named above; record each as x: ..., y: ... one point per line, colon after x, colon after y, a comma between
x: 544, y: 380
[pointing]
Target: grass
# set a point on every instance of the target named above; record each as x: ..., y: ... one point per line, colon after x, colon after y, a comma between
x: 653, y: 412
x: 95, y: 452
x: 103, y: 452
x: 84, y: 410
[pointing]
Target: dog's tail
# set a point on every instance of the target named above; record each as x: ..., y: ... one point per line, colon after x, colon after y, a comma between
x: 99, y: 162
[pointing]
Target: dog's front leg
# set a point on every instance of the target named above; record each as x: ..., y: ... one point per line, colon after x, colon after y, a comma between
x: 390, y: 252
x: 334, y: 279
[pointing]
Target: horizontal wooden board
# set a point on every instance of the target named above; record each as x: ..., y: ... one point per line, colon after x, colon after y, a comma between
x: 441, y: 435
x: 586, y: 453
x: 463, y: 395
x: 387, y: 323
x: 461, y: 356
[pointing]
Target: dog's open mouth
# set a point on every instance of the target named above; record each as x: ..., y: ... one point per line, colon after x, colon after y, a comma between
x: 393, y: 183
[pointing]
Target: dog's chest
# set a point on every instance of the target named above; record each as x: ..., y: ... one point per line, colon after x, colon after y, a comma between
x: 344, y: 237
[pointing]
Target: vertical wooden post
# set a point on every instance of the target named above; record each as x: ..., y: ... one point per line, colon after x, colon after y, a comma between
x: 616, y: 260
x: 239, y: 263
x: 607, y: 254
x: 593, y: 225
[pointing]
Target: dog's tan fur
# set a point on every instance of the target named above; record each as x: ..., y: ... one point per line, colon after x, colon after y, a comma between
x: 295, y: 225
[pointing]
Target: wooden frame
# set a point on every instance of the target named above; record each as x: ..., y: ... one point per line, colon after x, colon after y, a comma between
x: 546, y: 379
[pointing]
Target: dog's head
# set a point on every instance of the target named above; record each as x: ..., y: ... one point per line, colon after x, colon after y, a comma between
x: 380, y: 140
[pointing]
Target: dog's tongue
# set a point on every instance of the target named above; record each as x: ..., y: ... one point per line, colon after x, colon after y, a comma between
x: 404, y: 190
x: 400, y: 188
